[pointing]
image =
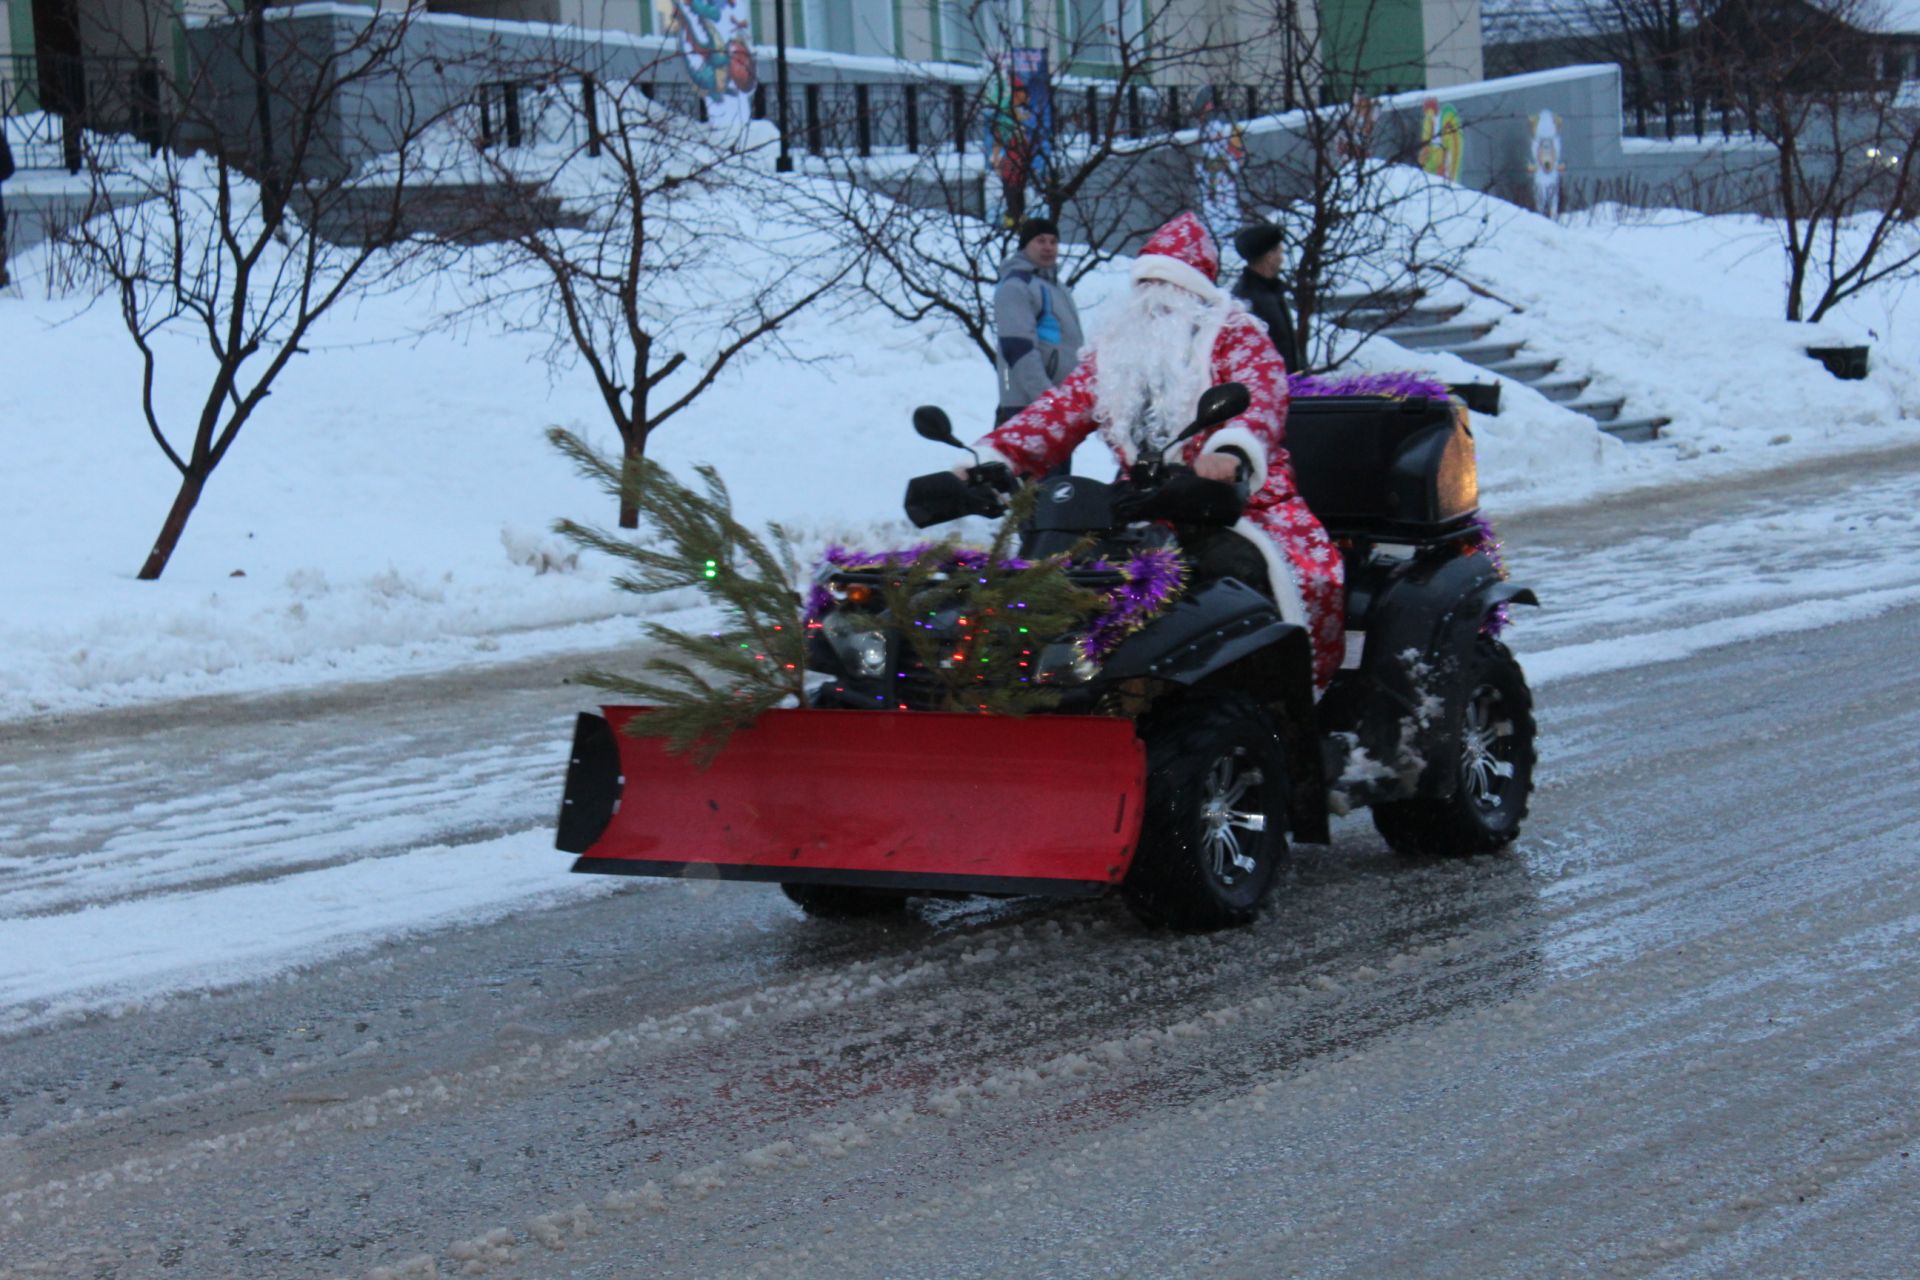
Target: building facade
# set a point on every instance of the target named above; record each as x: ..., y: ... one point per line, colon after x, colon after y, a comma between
x: 1378, y: 44
x: 1392, y: 46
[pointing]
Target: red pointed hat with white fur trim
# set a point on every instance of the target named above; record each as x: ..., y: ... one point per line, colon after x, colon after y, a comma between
x: 1181, y: 253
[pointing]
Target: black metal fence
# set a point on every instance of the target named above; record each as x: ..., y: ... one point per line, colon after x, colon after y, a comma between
x: 48, y: 102
x: 891, y: 117
x: 1673, y: 121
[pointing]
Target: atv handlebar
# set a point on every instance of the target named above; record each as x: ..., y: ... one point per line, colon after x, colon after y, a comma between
x: 996, y: 476
x: 1159, y: 492
x: 1184, y: 498
x: 942, y: 496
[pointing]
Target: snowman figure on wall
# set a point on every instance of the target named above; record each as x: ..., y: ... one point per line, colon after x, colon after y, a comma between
x: 1545, y: 165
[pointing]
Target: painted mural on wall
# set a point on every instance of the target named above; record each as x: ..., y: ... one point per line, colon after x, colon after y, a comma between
x: 1018, y: 112
x: 1545, y: 163
x: 1220, y: 153
x: 716, y: 41
x: 1443, y: 140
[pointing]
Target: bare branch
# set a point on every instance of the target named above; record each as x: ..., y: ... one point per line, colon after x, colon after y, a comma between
x: 254, y: 236
x: 658, y: 251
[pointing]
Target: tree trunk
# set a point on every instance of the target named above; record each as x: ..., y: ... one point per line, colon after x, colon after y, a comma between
x: 632, y: 448
x: 176, y: 524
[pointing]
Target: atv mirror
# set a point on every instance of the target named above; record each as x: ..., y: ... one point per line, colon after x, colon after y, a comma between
x: 1217, y: 404
x: 931, y: 421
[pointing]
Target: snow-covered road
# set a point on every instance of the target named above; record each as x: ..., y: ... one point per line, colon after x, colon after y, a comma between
x: 1673, y: 1034
x: 148, y: 852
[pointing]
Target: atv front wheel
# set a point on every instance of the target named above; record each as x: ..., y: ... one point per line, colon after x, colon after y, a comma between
x: 1489, y: 799
x: 843, y: 902
x: 1215, y: 827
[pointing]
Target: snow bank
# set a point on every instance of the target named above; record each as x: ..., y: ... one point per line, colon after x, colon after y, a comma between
x: 388, y: 508
x: 1676, y: 313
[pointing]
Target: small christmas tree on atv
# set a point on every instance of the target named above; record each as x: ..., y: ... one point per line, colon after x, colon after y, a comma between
x: 706, y: 684
x: 1183, y: 748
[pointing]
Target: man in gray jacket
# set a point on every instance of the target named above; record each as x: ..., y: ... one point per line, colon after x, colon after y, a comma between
x: 1034, y: 320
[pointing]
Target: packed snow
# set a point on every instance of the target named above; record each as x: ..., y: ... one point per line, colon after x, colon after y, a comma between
x: 389, y: 507
x: 388, y: 512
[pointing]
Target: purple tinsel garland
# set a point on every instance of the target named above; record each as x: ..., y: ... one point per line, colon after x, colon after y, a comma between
x: 1404, y: 385
x: 1489, y: 542
x: 1151, y: 581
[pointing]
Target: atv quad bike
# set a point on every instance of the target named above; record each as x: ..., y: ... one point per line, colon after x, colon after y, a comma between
x: 1174, y: 770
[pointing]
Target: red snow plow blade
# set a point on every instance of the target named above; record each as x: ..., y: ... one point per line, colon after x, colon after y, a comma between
x: 919, y: 800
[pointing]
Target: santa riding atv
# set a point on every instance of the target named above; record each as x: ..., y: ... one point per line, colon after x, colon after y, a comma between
x: 1301, y: 615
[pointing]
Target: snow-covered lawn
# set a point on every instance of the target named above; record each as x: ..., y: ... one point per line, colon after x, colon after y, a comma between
x: 388, y: 508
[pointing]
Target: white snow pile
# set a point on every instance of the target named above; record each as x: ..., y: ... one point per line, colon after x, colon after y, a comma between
x: 1676, y: 313
x: 388, y: 507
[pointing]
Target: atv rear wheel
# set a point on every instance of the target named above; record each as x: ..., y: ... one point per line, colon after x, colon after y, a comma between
x: 1489, y: 800
x: 1215, y: 827
x: 844, y: 902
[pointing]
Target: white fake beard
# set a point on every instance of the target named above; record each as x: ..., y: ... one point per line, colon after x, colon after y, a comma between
x: 1153, y: 359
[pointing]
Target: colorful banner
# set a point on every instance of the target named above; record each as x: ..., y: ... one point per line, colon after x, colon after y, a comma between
x: 1220, y: 155
x: 1019, y: 130
x: 1443, y: 140
x: 716, y: 39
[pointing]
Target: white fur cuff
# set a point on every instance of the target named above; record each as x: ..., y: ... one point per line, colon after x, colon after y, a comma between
x: 1158, y: 266
x: 1234, y: 437
x: 990, y: 454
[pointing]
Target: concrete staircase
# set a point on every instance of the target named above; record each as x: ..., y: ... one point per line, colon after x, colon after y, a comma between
x: 1420, y: 324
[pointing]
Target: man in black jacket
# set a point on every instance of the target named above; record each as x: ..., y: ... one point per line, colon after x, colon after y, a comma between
x: 1260, y: 287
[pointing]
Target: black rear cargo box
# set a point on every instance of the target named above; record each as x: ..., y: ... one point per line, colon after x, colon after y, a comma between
x: 1383, y: 468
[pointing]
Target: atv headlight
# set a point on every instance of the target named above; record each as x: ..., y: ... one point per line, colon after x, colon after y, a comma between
x: 1066, y: 664
x: 861, y: 646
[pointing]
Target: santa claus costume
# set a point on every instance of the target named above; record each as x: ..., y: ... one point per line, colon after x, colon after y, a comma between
x: 1177, y: 334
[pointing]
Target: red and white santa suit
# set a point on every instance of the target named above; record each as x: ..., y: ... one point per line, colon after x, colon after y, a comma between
x: 1176, y: 335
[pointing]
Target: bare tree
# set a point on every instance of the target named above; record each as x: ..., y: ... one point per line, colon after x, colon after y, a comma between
x: 659, y: 251
x: 248, y: 243
x: 1363, y: 234
x: 1103, y: 162
x: 1845, y: 181
x: 1128, y: 152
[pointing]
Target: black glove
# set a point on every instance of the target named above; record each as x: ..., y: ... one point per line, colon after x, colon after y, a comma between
x: 994, y: 475
x: 943, y: 496
x: 1184, y: 498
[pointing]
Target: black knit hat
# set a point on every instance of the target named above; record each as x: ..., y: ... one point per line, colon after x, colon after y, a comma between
x: 1036, y: 227
x: 1256, y: 241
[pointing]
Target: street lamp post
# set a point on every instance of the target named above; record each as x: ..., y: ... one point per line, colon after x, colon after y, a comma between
x: 784, y: 163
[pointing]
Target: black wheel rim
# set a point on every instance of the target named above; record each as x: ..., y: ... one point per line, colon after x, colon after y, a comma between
x: 1233, y: 819
x: 1489, y: 749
